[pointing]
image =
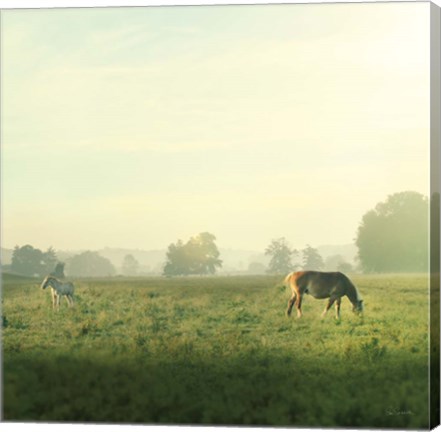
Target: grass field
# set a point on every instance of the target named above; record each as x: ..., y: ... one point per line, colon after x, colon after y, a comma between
x: 216, y: 351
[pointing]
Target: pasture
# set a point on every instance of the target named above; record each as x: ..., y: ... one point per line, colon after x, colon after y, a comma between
x: 216, y: 350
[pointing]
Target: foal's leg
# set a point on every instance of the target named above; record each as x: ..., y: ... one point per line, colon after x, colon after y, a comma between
x: 54, y: 298
x: 70, y: 296
x: 291, y: 302
x: 328, y: 306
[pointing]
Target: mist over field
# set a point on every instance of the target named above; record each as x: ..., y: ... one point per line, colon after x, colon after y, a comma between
x: 152, y: 261
x: 134, y: 127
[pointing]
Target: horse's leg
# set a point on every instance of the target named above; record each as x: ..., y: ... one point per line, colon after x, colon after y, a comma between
x: 71, y: 299
x: 58, y: 301
x: 299, y: 305
x: 67, y: 299
x: 54, y: 300
x: 291, y: 302
x: 328, y: 306
x: 337, y: 308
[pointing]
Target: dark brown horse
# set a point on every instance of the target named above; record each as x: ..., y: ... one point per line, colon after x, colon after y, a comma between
x: 321, y: 285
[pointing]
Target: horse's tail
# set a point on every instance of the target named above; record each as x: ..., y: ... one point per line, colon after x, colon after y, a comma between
x: 287, y: 280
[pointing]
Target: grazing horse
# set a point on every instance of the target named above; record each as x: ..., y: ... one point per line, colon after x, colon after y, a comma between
x: 58, y: 289
x: 321, y: 285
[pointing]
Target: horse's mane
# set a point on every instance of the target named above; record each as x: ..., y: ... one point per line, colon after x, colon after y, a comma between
x: 353, y: 293
x: 48, y: 278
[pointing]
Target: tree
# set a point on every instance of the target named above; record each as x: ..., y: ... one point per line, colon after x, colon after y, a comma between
x: 204, y: 254
x: 281, y: 254
x: 130, y: 265
x: 29, y: 261
x: 312, y: 260
x: 393, y: 237
x: 198, y: 256
x: 89, y: 264
x: 176, y: 260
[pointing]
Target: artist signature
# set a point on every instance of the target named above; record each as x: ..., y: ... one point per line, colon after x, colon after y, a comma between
x: 398, y: 412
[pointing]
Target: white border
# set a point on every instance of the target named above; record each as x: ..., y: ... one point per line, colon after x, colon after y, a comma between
x: 19, y: 4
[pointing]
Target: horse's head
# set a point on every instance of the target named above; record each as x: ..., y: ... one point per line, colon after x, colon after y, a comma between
x: 358, y: 307
x: 45, y: 283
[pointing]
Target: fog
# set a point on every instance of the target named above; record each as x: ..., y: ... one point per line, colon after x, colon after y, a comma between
x: 132, y: 128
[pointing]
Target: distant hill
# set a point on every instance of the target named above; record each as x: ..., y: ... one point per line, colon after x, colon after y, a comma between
x: 150, y: 261
x: 347, y: 251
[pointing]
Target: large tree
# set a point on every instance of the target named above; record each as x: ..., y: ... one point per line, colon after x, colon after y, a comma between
x: 177, y: 262
x: 393, y: 237
x: 281, y: 254
x: 30, y: 261
x: 89, y: 264
x: 199, y: 255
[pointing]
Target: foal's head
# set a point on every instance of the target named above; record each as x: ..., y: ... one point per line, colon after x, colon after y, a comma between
x: 45, y: 283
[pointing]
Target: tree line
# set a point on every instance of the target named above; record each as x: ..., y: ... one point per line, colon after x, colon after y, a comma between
x: 392, y: 237
x: 284, y: 259
x: 30, y: 261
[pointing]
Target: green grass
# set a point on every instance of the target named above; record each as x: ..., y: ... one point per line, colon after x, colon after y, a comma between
x: 216, y: 351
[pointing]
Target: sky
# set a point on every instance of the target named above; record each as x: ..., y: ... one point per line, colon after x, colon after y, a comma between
x: 133, y: 127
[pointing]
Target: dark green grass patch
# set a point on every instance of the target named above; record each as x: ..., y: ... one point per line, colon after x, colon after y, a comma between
x: 256, y: 388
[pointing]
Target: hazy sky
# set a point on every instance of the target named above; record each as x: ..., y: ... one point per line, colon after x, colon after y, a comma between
x: 136, y: 127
